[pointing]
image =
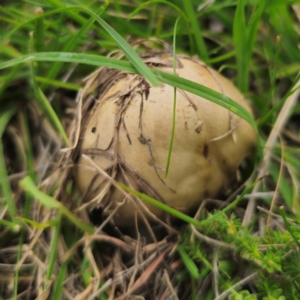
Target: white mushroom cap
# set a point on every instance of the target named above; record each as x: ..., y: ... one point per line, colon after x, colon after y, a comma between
x: 209, y: 143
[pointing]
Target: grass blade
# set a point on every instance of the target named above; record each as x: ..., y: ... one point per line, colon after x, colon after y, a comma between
x: 4, y: 181
x: 10, y: 225
x: 50, y: 114
x: 289, y: 227
x: 167, y: 78
x: 58, y: 83
x: 28, y: 186
x: 174, y: 103
x: 95, y: 60
x: 36, y: 224
x: 39, y: 31
x: 60, y: 280
x: 160, y: 205
x: 43, y: 102
x: 190, y: 12
x: 54, y: 247
x: 207, y: 94
x: 46, y: 108
x: 253, y: 26
x: 240, y: 43
x: 143, y: 5
x: 128, y: 51
x: 188, y: 262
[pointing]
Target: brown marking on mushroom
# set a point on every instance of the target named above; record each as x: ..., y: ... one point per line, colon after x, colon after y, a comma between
x: 93, y: 129
x: 118, y: 119
x: 133, y: 88
x: 123, y: 121
x: 186, y: 125
x: 141, y: 114
x: 142, y: 139
x: 198, y: 129
x: 199, y: 126
x: 188, y: 99
x: 125, y: 128
x: 147, y: 87
x: 206, y: 153
x: 151, y: 163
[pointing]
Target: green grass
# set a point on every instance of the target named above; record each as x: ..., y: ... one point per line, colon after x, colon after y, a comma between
x: 47, y: 47
x: 5, y: 186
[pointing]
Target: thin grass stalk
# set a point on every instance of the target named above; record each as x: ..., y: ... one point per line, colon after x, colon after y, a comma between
x: 170, y: 4
x: 240, y: 43
x: 43, y: 102
x: 4, y: 181
x: 159, y: 204
x: 174, y: 102
x: 201, y: 47
x: 53, y: 248
x: 39, y: 31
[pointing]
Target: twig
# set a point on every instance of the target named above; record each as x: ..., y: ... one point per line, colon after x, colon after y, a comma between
x: 210, y: 240
x: 279, y: 124
x: 169, y: 285
x: 215, y: 272
x: 240, y: 283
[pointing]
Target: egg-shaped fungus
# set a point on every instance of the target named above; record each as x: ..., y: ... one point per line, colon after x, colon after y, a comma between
x: 126, y: 133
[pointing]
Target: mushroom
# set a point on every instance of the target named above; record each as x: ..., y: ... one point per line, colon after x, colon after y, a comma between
x: 127, y: 134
